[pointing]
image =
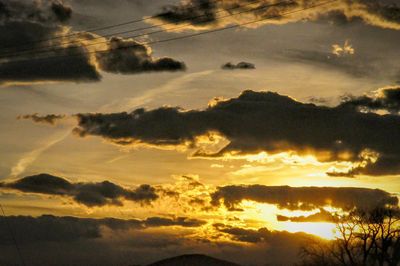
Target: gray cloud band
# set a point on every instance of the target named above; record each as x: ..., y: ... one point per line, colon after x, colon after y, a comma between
x: 60, y: 229
x: 89, y: 194
x: 304, y: 198
x: 263, y: 121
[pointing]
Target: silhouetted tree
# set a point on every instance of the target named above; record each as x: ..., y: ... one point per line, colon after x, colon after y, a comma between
x: 366, y: 238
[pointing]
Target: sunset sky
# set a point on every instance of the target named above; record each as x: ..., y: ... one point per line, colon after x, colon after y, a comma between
x: 234, y: 128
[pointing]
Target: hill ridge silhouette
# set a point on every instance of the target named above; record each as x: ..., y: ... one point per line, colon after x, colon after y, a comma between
x: 193, y: 260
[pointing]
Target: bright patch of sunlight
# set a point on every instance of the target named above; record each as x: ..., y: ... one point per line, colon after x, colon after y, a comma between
x: 267, y: 213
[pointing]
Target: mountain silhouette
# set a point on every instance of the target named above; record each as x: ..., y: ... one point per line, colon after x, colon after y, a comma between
x: 193, y: 260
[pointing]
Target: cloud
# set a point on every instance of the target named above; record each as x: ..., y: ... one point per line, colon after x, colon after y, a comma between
x: 279, y: 242
x: 59, y: 229
x: 321, y: 216
x: 69, y: 64
x: 179, y: 221
x: 241, y: 65
x: 200, y: 12
x: 43, y: 11
x: 89, y: 194
x: 244, y: 235
x: 126, y: 56
x: 303, y: 198
x: 261, y: 121
x: 387, y: 99
x: 47, y: 119
x: 346, y: 49
x: 205, y: 14
x: 62, y: 11
x: 51, y: 228
x: 34, y: 51
x: 52, y: 240
x: 45, y: 19
x: 27, y: 159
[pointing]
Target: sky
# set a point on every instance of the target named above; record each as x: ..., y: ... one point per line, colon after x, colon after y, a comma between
x: 233, y: 128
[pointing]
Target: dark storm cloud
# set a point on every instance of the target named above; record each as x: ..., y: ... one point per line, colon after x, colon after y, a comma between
x: 242, y: 234
x: 179, y: 221
x: 22, y: 34
x: 49, y: 119
x: 40, y: 11
x: 51, y: 240
x: 23, y: 28
x: 201, y: 14
x: 59, y: 229
x: 384, y: 99
x: 50, y: 228
x: 33, y: 52
x: 321, y: 216
x: 62, y: 12
x: 195, y: 12
x: 70, y: 64
x: 168, y: 126
x: 240, y: 65
x: 303, y: 198
x: 89, y: 194
x: 42, y: 183
x: 262, y: 121
x: 99, y: 194
x: 126, y: 56
x: 273, y: 238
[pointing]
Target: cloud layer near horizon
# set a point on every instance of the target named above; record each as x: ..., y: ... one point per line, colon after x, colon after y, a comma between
x: 200, y: 197
x: 54, y: 240
x: 68, y: 228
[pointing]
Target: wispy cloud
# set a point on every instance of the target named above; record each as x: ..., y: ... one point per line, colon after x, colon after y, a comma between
x: 30, y: 157
x: 149, y: 95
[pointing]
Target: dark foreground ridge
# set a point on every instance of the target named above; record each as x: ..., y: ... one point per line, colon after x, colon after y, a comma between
x: 193, y: 260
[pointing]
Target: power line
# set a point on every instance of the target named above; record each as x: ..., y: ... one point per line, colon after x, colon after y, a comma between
x: 87, y: 30
x: 13, y: 236
x: 59, y: 46
x: 124, y: 32
x: 181, y: 37
x: 239, y: 25
x: 100, y: 29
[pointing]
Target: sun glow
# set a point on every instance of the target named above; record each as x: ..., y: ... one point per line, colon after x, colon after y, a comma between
x: 324, y: 230
x: 267, y: 214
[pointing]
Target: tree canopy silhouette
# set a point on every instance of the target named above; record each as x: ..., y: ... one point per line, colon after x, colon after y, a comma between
x: 365, y: 238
